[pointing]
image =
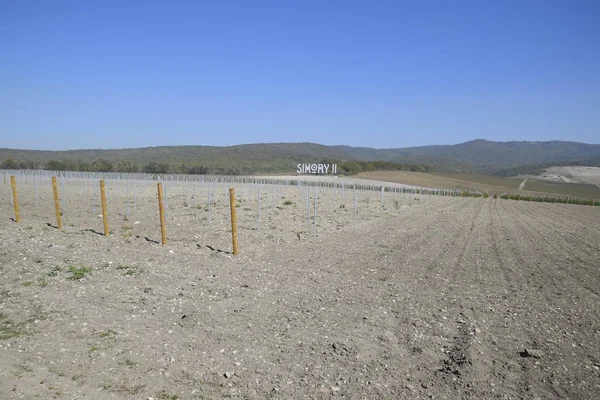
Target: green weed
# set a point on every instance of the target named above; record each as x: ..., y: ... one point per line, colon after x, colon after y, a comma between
x: 163, y: 395
x: 107, y: 333
x: 78, y: 272
x: 129, y: 269
x: 10, y: 329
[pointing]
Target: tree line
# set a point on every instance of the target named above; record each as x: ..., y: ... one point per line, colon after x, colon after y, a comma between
x: 355, y: 167
x: 103, y: 165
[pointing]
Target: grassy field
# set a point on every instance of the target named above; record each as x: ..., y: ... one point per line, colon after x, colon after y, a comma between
x: 483, y: 183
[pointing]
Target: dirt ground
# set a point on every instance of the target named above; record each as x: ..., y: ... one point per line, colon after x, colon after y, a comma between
x: 557, y: 181
x: 436, y: 297
x: 589, y: 175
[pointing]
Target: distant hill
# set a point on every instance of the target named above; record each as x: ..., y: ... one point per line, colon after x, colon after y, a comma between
x: 249, y: 158
x: 484, y: 156
x: 477, y: 156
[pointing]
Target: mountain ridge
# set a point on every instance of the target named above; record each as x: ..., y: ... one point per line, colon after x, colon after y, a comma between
x: 476, y: 156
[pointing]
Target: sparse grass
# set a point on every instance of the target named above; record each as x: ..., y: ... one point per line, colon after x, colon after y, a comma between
x: 107, y: 333
x: 10, y: 329
x: 56, y: 371
x: 108, y: 339
x: 288, y: 203
x: 552, y: 199
x: 78, y: 272
x: 163, y: 395
x: 123, y: 387
x: 42, y: 283
x: 127, y: 231
x: 130, y: 389
x: 37, y: 260
x: 27, y: 283
x: 468, y: 193
x: 79, y: 379
x: 129, y: 269
x: 22, y: 369
x: 130, y: 363
x: 54, y: 271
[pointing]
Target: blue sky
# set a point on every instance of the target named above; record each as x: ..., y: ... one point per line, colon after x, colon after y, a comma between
x: 114, y: 74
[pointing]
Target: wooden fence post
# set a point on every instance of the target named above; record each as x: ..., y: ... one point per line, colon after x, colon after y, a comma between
x: 161, y: 211
x: 104, y: 208
x: 233, y: 221
x: 56, y: 203
x: 13, y: 182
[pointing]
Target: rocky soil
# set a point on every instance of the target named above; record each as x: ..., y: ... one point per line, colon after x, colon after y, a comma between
x: 589, y: 175
x: 436, y: 298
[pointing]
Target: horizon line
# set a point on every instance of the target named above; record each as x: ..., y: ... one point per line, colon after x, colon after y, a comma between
x: 313, y: 143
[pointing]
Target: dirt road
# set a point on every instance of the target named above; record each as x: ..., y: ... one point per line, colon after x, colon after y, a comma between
x: 466, y: 298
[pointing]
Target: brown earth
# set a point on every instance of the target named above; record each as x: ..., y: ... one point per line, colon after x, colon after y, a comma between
x: 587, y: 175
x: 492, y: 184
x: 441, y: 298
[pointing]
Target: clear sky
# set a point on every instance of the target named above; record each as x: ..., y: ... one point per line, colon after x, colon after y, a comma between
x: 113, y: 74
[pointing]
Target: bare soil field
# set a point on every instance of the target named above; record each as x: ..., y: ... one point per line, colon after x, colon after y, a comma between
x: 436, y: 297
x: 446, y: 180
x: 584, y: 185
x: 586, y: 175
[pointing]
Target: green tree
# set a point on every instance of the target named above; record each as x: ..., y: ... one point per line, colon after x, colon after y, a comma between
x: 83, y: 166
x: 26, y: 165
x: 70, y: 165
x: 198, y: 170
x: 102, y: 165
x: 127, y: 166
x: 9, y: 163
x: 54, y: 166
x: 156, y: 168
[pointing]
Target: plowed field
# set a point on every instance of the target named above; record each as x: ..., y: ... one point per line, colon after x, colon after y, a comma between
x: 453, y: 298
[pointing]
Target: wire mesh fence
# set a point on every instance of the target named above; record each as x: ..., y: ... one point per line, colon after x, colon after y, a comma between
x: 197, y: 206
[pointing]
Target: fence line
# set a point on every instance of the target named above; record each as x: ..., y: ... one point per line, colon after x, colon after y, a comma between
x: 265, y: 204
